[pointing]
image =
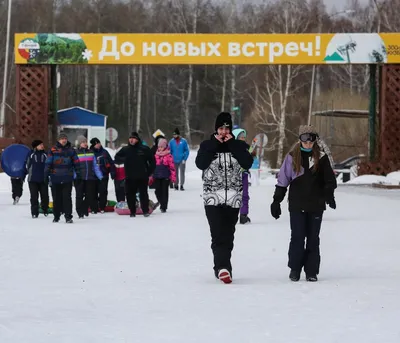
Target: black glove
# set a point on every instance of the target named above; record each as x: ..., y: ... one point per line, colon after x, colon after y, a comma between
x: 330, y: 198
x: 331, y: 203
x: 276, y: 210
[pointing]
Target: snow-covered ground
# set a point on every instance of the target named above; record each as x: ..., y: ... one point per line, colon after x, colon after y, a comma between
x: 116, y: 279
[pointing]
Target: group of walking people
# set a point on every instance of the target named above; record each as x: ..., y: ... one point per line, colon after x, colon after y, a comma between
x: 62, y: 168
x: 306, y: 171
x: 89, y: 169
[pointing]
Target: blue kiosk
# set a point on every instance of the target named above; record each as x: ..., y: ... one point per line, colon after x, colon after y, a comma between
x: 76, y: 121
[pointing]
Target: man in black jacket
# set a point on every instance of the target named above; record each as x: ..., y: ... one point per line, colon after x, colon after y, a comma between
x: 222, y: 158
x: 139, y: 165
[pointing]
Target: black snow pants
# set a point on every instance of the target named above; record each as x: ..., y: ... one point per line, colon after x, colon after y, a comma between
x: 16, y: 187
x: 162, y: 192
x: 35, y: 189
x: 222, y: 221
x: 85, y: 191
x: 132, y: 186
x: 62, y: 200
x: 119, y: 186
x: 102, y: 193
x: 305, y: 226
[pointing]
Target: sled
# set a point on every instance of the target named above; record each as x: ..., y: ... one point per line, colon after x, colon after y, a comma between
x: 122, y: 208
x: 109, y: 207
x: 13, y: 160
x: 50, y: 210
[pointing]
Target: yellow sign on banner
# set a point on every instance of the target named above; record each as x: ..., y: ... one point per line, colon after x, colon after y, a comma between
x: 74, y: 48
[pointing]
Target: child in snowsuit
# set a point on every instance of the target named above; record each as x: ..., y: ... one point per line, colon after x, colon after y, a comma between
x: 119, y: 181
x: 241, y: 134
x: 35, y: 166
x: 85, y: 184
x: 106, y: 164
x: 164, y: 173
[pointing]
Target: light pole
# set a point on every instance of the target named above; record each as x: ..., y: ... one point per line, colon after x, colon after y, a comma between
x: 315, y: 70
x: 3, y: 102
x: 236, y: 110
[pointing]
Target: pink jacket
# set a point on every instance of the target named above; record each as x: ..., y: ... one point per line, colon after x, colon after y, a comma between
x: 165, y: 168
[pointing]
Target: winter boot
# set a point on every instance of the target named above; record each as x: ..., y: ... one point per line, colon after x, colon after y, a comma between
x: 56, y: 220
x: 176, y: 187
x: 311, y: 278
x: 69, y: 221
x: 225, y: 276
x: 146, y: 215
x: 182, y: 189
x: 34, y: 216
x: 244, y: 219
x: 133, y: 215
x: 294, y: 275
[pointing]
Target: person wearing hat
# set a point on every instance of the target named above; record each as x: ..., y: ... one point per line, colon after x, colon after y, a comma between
x: 222, y: 159
x: 61, y: 164
x: 107, y: 168
x: 180, y: 152
x: 85, y: 184
x: 139, y: 164
x: 35, y: 166
x: 241, y: 134
x: 157, y: 136
x: 307, y: 172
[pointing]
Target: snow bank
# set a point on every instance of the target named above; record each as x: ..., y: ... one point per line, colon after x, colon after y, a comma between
x: 370, y: 179
x: 394, y: 176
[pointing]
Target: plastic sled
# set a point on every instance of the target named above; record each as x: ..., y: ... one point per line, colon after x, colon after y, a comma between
x: 13, y: 160
x: 122, y: 208
x: 50, y: 210
x: 109, y: 207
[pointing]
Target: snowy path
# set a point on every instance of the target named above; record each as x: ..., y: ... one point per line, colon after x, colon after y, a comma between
x: 116, y: 279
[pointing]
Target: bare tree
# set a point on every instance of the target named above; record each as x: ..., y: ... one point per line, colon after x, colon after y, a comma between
x: 270, y: 111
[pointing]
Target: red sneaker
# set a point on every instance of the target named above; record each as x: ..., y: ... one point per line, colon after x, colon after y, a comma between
x: 225, y: 276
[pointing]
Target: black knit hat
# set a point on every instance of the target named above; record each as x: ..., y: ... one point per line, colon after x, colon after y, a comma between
x: 36, y: 143
x: 176, y: 132
x: 134, y: 135
x: 224, y: 119
x: 94, y: 141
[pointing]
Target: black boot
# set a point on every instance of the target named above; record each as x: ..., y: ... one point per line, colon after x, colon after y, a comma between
x: 294, y: 275
x: 244, y: 219
x: 311, y: 278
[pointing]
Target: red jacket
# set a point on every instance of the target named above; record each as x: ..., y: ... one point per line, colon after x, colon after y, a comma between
x: 119, y: 172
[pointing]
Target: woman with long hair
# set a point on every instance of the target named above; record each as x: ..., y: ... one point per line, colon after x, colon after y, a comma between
x: 308, y: 173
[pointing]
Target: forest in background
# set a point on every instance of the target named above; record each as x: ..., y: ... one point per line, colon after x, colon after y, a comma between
x: 272, y: 99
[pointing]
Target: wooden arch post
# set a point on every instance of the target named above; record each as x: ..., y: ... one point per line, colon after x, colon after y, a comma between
x: 32, y: 103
